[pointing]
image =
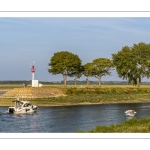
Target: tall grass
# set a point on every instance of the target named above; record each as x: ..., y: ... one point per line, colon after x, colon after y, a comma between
x: 130, y: 126
x: 107, y: 90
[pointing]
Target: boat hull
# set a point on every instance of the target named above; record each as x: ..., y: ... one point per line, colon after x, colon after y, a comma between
x: 22, y: 107
x: 21, y: 110
x: 130, y: 113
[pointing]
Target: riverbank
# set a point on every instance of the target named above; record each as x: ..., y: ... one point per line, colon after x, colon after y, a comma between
x: 75, y: 100
x: 69, y: 96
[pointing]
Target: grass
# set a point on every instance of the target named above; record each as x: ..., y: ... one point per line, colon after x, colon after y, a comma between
x: 77, y: 95
x: 107, y: 90
x: 71, y: 86
x: 130, y: 126
x: 82, y: 99
x: 10, y: 86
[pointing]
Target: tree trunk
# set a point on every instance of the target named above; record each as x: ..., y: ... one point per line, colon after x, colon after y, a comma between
x: 100, y: 81
x: 75, y: 80
x: 87, y: 81
x: 65, y: 79
x: 138, y: 82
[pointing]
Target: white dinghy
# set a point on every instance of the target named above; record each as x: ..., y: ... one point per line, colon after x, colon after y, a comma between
x: 130, y: 113
x: 21, y: 106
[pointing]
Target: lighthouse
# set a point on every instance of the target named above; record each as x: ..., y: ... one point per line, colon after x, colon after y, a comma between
x: 33, y: 70
x: 35, y: 83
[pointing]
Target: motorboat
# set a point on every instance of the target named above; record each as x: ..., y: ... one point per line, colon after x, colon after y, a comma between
x: 21, y: 106
x: 130, y: 113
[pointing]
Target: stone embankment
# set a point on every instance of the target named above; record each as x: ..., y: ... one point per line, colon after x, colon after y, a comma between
x: 30, y: 92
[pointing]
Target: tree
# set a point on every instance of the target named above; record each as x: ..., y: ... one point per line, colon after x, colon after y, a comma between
x: 133, y: 63
x: 123, y: 61
x: 88, y: 71
x: 64, y: 63
x: 103, y: 67
x: 77, y: 73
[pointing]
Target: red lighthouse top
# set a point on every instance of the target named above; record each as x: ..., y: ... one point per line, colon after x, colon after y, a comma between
x: 32, y: 69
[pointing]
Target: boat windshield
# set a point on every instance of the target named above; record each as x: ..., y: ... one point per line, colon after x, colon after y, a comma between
x: 27, y: 105
x: 18, y: 104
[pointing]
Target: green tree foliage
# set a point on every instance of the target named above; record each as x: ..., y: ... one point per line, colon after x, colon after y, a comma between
x: 89, y: 69
x: 64, y: 63
x: 133, y: 63
x: 102, y: 67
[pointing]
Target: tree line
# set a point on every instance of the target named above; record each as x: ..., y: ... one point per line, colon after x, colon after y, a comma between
x: 131, y: 63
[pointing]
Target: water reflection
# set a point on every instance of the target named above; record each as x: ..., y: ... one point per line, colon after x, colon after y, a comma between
x: 69, y: 118
x: 130, y: 117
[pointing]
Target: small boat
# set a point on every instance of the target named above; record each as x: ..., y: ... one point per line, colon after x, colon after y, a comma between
x: 130, y: 113
x: 21, y: 106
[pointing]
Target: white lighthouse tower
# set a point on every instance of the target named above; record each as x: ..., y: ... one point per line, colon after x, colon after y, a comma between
x: 32, y: 70
x: 35, y: 83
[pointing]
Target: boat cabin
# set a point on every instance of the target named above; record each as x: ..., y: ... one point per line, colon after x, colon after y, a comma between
x: 19, y: 103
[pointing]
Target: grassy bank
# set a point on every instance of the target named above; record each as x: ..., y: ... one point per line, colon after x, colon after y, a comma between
x: 107, y: 90
x: 130, y: 126
x: 86, y: 95
x: 83, y: 99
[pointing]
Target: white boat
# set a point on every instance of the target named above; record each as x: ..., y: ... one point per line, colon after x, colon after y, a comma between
x: 130, y: 113
x: 21, y: 106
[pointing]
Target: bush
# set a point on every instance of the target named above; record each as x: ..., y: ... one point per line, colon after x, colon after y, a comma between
x: 107, y: 90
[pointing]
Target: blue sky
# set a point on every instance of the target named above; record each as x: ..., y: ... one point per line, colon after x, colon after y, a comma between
x: 27, y: 39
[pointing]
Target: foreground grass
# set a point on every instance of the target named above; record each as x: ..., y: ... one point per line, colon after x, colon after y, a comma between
x: 130, y: 126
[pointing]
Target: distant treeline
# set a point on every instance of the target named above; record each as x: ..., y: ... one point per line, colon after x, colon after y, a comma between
x: 70, y: 82
x: 104, y: 83
x: 15, y: 82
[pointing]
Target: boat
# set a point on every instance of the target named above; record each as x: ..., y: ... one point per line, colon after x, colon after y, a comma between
x: 130, y: 113
x: 21, y: 106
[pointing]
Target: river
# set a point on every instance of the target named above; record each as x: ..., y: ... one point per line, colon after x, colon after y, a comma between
x: 69, y: 119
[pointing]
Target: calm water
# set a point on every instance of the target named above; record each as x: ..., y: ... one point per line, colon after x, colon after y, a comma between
x: 69, y: 119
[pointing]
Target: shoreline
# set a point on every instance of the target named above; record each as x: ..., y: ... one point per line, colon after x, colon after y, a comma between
x: 52, y: 97
x: 80, y: 104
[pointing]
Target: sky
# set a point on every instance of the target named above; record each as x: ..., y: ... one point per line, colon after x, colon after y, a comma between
x: 24, y: 40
